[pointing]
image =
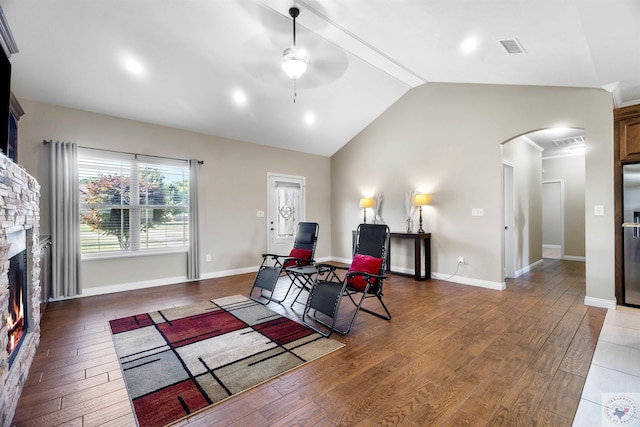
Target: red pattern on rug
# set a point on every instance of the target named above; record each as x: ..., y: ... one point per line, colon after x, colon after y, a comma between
x: 171, y: 403
x: 191, y: 329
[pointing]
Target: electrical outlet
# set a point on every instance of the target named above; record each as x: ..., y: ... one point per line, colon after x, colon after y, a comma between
x: 207, y: 257
x: 259, y: 214
x: 460, y: 260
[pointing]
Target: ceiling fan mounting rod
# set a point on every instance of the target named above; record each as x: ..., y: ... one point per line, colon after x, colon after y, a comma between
x: 294, y: 12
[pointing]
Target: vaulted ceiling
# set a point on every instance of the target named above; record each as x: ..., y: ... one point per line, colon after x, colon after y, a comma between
x: 213, y: 66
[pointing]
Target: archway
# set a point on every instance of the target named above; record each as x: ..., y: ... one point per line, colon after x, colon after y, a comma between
x: 536, y: 157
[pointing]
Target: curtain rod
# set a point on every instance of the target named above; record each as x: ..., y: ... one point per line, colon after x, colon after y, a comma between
x: 200, y: 162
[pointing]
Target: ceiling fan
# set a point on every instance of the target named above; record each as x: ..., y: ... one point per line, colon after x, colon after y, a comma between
x: 264, y: 56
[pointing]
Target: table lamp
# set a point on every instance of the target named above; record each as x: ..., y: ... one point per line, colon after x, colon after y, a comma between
x: 366, y: 202
x: 420, y: 200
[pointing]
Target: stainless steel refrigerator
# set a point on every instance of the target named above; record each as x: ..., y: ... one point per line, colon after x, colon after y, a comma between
x: 631, y: 232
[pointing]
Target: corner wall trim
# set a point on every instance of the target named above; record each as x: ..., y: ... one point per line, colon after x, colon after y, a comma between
x: 527, y: 269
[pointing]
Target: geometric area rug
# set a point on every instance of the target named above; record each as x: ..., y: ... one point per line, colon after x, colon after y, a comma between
x: 178, y: 361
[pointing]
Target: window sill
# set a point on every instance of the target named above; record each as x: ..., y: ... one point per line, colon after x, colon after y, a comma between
x: 131, y: 254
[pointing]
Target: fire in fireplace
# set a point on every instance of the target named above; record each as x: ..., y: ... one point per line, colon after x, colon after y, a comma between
x: 18, y: 298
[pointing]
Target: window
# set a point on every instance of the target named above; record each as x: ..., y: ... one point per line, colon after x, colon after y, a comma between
x: 132, y: 203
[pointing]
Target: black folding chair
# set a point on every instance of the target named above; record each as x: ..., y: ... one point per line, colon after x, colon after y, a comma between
x: 363, y: 280
x: 275, y: 266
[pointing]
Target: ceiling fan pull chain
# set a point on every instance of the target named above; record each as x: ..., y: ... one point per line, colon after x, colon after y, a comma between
x: 295, y: 91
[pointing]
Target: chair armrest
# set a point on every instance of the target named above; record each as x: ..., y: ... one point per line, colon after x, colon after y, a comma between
x: 330, y: 267
x: 329, y: 272
x: 300, y: 260
x: 364, y: 273
x: 273, y: 256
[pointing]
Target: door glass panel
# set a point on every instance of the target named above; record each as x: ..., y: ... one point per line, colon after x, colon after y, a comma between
x: 287, y: 210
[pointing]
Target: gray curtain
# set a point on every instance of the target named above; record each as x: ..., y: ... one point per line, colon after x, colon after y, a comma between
x: 193, y: 255
x: 65, y: 220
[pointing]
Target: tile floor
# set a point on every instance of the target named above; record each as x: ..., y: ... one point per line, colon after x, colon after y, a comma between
x: 614, y: 375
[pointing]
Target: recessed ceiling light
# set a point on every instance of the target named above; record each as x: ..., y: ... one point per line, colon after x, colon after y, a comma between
x: 133, y: 65
x: 309, y: 118
x: 469, y: 45
x: 239, y: 97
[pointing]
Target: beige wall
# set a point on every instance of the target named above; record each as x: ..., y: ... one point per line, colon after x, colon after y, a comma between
x: 571, y: 171
x: 439, y: 138
x: 445, y: 139
x: 232, y: 188
x: 527, y: 171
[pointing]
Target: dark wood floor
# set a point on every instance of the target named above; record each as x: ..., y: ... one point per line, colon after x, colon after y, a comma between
x: 453, y: 355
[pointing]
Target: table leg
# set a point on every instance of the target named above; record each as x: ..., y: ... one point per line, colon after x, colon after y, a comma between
x: 416, y: 259
x: 427, y: 258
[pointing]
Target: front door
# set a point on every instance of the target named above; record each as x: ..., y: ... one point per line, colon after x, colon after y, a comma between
x: 285, y: 208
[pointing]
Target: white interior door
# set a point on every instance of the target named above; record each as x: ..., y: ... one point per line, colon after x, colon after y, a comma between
x: 285, y: 208
x: 509, y: 221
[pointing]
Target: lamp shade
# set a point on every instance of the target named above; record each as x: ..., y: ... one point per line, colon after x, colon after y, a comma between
x: 294, y: 62
x: 366, y: 202
x: 421, y: 199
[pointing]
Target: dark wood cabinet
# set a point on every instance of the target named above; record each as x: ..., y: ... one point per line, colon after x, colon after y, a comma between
x: 626, y: 148
x: 627, y: 133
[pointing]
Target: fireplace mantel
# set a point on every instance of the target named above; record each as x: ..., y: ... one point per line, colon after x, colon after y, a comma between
x: 19, y: 210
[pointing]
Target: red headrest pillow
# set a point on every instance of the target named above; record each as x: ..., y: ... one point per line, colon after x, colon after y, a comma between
x: 365, y: 264
x: 298, y: 253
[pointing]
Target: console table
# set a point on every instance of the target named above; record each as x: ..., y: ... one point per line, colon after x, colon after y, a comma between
x: 419, y: 239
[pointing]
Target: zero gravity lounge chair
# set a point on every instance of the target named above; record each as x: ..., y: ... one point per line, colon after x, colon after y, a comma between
x: 363, y: 280
x: 275, y: 266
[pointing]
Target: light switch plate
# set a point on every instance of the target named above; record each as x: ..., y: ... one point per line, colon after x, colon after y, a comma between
x: 477, y: 212
x: 598, y: 210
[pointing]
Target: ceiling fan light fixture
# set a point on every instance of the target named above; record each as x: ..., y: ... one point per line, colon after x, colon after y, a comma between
x: 294, y: 62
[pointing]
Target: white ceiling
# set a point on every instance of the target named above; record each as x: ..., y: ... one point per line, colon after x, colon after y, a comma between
x: 194, y: 55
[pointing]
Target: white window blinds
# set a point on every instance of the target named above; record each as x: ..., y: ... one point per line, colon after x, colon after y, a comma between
x: 132, y: 203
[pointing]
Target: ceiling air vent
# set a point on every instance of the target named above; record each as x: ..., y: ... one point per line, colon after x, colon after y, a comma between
x: 512, y: 46
x: 567, y: 142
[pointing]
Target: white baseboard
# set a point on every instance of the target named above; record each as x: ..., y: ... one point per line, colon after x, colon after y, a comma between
x: 600, y: 302
x: 122, y: 287
x: 497, y: 286
x: 102, y: 290
x: 575, y: 258
x: 551, y: 246
x: 446, y: 277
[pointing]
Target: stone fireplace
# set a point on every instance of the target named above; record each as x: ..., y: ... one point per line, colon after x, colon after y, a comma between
x: 19, y: 226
